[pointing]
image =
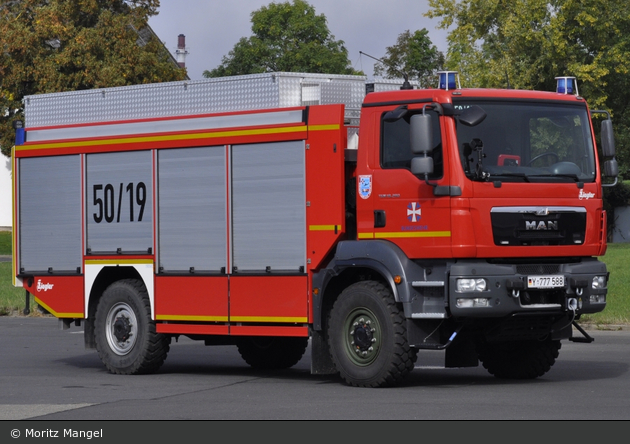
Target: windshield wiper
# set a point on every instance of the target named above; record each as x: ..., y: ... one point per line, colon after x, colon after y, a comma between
x: 497, y: 178
x: 524, y: 176
x: 575, y: 177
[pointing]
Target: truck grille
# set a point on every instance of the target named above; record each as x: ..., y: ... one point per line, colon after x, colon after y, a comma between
x: 523, y: 226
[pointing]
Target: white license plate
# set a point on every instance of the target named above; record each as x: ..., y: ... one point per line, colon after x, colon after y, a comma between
x: 545, y: 281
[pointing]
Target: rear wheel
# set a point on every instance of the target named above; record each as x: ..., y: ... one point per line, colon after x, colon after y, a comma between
x: 518, y: 359
x: 368, y: 337
x: 126, y: 339
x: 272, y: 353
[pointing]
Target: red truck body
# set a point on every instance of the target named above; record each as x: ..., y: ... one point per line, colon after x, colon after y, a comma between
x: 268, y: 226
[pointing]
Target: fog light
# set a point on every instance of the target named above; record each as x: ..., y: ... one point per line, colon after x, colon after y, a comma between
x: 471, y: 302
x: 464, y: 285
x: 464, y: 303
x: 597, y: 299
x: 599, y: 282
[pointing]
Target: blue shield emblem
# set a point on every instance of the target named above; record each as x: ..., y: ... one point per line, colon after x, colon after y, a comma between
x: 365, y: 186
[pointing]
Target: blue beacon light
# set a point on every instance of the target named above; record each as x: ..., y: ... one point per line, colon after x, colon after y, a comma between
x: 566, y: 85
x: 448, y: 80
x: 20, y: 136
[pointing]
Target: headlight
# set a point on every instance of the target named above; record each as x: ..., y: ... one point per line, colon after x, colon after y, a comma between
x: 467, y: 285
x: 599, y: 282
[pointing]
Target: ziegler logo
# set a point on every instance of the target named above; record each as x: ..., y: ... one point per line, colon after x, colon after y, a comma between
x: 44, y: 287
x: 541, y: 225
x: 586, y: 196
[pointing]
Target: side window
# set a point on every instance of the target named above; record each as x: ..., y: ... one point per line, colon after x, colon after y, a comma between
x: 396, y: 147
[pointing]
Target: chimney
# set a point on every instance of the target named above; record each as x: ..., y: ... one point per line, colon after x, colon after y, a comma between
x: 181, y: 51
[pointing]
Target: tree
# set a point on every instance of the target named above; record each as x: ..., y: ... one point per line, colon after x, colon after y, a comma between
x: 57, y: 45
x: 413, y: 55
x: 287, y: 37
x: 527, y: 43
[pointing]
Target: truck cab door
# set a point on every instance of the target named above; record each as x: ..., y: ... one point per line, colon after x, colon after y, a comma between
x: 407, y: 211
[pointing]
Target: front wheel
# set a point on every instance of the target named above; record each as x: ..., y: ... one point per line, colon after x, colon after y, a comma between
x: 126, y: 339
x: 518, y: 359
x: 368, y: 337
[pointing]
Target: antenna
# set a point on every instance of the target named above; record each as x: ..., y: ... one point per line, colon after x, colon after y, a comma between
x: 406, y: 84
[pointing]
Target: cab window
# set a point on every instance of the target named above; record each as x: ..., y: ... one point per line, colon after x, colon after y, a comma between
x: 396, y: 147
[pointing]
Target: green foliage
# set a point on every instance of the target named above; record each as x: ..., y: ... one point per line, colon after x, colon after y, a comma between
x: 527, y: 43
x: 413, y: 55
x: 622, y: 143
x: 287, y: 37
x: 57, y: 45
x: 617, y: 196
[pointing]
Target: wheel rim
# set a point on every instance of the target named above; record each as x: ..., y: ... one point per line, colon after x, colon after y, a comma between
x: 121, y: 329
x: 362, y: 336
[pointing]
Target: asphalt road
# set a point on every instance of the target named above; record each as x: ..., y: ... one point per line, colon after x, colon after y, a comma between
x: 47, y: 374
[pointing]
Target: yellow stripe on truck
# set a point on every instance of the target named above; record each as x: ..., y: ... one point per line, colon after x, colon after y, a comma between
x: 404, y: 234
x: 174, y: 137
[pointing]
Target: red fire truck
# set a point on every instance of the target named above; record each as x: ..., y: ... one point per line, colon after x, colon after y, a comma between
x: 270, y: 210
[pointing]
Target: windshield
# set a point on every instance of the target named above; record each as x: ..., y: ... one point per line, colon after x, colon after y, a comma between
x: 527, y: 142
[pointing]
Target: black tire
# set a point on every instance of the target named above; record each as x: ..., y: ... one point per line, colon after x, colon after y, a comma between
x: 125, y: 336
x: 272, y: 353
x: 518, y: 359
x: 367, y: 336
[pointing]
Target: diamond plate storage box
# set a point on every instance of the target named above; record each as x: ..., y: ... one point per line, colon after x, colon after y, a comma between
x: 224, y: 94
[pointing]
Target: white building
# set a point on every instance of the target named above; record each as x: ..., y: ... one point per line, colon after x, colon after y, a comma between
x: 5, y: 192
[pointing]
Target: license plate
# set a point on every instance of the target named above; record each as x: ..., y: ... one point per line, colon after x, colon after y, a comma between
x: 548, y: 281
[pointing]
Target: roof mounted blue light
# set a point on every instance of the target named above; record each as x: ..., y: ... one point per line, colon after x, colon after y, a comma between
x: 566, y: 85
x: 448, y: 80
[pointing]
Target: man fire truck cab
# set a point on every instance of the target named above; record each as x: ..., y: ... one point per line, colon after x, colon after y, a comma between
x: 268, y: 210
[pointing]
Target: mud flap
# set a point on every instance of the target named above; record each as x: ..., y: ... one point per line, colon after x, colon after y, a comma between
x: 461, y: 353
x: 321, y: 361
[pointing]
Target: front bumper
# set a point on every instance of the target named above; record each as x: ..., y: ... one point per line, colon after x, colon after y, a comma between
x: 506, y: 289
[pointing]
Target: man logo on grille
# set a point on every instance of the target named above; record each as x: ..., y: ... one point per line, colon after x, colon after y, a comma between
x: 541, y: 225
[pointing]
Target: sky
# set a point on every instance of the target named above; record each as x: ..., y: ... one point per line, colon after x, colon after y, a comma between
x: 213, y: 27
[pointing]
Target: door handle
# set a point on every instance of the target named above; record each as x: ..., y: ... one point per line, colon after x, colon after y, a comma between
x: 379, y: 219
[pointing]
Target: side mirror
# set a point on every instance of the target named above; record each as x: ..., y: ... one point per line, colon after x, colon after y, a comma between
x: 472, y: 116
x: 611, y: 169
x: 422, y: 166
x: 608, y: 139
x: 421, y: 133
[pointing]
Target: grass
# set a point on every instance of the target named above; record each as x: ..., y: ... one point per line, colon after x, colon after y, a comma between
x: 617, y: 311
x: 12, y: 299
x: 5, y: 242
